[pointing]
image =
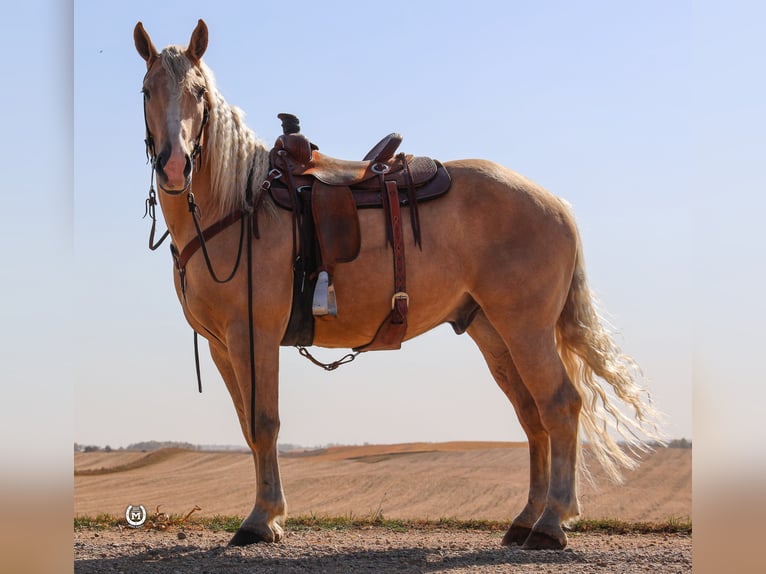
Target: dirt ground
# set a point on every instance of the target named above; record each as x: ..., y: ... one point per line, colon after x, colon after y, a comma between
x: 374, y: 550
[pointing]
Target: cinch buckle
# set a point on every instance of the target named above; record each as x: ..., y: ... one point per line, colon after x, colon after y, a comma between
x: 272, y: 175
x: 398, y: 296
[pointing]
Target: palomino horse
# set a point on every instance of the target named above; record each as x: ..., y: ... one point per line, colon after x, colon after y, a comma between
x: 500, y: 256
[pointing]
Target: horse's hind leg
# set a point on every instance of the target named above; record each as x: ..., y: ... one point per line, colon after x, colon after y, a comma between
x: 504, y: 371
x: 536, y: 358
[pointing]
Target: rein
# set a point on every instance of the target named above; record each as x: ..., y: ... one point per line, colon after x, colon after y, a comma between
x: 200, y: 242
x: 151, y: 205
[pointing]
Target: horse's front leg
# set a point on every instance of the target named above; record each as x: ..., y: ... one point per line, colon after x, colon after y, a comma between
x: 263, y: 523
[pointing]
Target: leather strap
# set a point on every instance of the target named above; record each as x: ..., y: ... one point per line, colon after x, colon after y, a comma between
x: 191, y: 248
x: 199, y: 240
x: 392, y: 331
x: 400, y: 299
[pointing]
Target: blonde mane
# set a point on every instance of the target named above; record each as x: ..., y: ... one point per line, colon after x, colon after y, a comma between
x: 230, y: 148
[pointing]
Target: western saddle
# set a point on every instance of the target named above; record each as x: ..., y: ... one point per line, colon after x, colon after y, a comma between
x: 324, y: 194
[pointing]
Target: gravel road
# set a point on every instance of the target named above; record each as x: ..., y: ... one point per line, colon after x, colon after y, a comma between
x: 372, y: 550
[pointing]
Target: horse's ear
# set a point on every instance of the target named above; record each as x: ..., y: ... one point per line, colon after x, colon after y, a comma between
x: 144, y: 44
x: 197, y: 43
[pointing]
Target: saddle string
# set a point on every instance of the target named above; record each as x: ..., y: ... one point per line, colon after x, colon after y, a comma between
x: 413, y: 203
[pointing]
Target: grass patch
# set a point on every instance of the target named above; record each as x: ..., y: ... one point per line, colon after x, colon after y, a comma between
x: 613, y: 526
x: 98, y: 522
x: 349, y: 522
x: 219, y: 522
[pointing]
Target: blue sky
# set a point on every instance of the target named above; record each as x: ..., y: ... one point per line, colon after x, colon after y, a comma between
x: 620, y: 108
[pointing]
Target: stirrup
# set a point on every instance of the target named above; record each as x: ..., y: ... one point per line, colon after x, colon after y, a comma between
x: 324, y: 302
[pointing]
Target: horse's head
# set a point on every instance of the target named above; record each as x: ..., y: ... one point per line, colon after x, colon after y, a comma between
x: 175, y: 106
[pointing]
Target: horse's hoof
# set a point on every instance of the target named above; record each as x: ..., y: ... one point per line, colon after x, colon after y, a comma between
x: 541, y: 541
x: 516, y: 535
x: 246, y: 536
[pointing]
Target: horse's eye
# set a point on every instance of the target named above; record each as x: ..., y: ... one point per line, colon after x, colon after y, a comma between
x: 146, y: 94
x: 200, y: 94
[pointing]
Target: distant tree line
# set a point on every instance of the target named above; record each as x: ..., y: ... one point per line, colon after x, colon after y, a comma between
x: 92, y: 448
x: 680, y: 443
x: 675, y: 443
x: 150, y: 445
x: 141, y: 446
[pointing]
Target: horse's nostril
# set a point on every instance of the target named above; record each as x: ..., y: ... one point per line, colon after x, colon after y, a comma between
x: 162, y: 161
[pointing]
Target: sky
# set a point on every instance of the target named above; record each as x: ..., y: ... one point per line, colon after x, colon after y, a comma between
x: 638, y: 114
x: 571, y: 95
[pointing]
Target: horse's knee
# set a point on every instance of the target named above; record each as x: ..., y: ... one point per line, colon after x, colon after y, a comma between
x: 266, y: 430
x: 268, y: 424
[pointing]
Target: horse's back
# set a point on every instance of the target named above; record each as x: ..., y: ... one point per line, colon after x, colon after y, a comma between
x: 490, y: 189
x: 496, y: 238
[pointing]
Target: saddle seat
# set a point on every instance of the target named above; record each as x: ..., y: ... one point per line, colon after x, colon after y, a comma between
x: 303, y: 158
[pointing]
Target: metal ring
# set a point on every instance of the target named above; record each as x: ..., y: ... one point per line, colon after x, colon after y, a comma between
x: 379, y: 167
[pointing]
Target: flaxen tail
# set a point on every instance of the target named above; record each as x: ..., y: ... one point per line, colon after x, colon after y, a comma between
x: 589, y: 353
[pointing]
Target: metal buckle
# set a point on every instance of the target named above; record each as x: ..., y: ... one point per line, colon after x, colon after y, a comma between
x: 399, y: 295
x: 272, y: 175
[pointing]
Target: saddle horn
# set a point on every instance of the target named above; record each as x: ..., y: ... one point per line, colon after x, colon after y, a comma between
x: 290, y: 123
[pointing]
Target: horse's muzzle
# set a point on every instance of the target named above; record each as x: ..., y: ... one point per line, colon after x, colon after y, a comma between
x: 171, y: 177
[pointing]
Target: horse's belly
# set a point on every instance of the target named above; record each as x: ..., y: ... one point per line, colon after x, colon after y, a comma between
x: 364, y: 292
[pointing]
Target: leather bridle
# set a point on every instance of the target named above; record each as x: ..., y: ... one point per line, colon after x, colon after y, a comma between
x: 195, y: 157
